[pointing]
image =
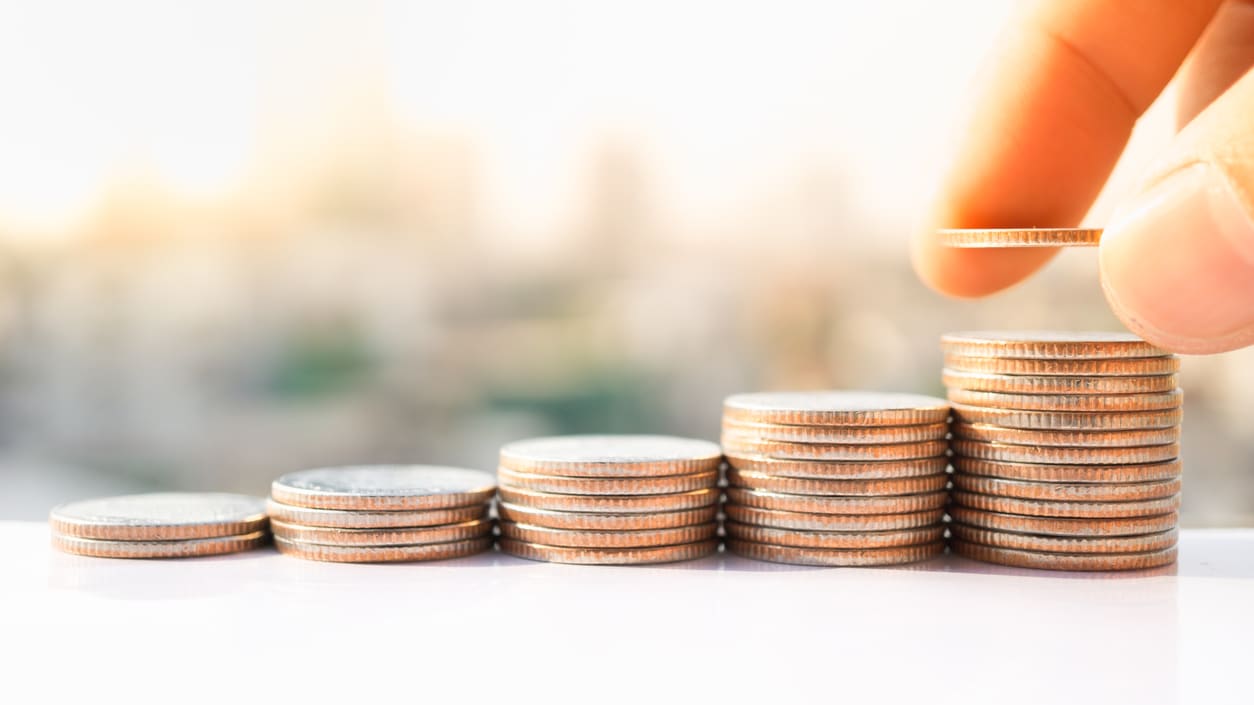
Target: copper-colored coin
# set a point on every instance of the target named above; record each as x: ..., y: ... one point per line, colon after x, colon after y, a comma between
x: 1065, y: 544
x: 1129, y: 367
x: 834, y: 557
x: 835, y: 408
x: 836, y: 505
x: 817, y: 451
x: 1138, y: 455
x: 348, y: 519
x: 384, y: 487
x: 1019, y: 237
x: 575, y: 538
x: 381, y: 537
x: 1021, y: 384
x: 834, y: 539
x: 831, y: 522
x: 160, y: 516
x: 668, y: 484
x: 839, y: 470
x: 1067, y: 420
x: 1056, y: 526
x: 620, y: 504
x: 1048, y: 345
x: 611, y: 456
x: 184, y: 548
x: 605, y: 522
x: 1074, y: 439
x: 1064, y: 561
x: 793, y: 485
x: 845, y: 435
x: 1081, y: 510
x: 1069, y: 402
x: 609, y: 556
x: 1080, y: 492
x: 383, y: 554
x: 1068, y: 473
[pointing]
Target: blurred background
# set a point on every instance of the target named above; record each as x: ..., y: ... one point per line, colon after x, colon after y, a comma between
x: 239, y: 239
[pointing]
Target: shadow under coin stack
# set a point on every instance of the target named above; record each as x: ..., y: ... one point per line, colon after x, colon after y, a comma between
x: 609, y: 500
x: 375, y: 514
x: 835, y: 478
x: 160, y: 525
x: 1065, y: 449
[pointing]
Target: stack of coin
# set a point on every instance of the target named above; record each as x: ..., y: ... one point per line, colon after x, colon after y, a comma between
x: 160, y: 525
x: 1065, y: 449
x: 385, y: 513
x: 609, y: 500
x: 835, y: 478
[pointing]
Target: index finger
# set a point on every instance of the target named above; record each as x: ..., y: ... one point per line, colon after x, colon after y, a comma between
x: 1067, y: 83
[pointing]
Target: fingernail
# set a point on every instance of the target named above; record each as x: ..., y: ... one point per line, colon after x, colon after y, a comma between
x: 1178, y: 264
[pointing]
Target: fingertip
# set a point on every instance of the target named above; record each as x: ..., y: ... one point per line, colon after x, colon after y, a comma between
x: 972, y: 273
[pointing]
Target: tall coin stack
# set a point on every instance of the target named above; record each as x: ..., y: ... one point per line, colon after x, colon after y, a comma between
x: 1066, y: 449
x: 610, y: 500
x: 835, y: 478
x: 385, y: 513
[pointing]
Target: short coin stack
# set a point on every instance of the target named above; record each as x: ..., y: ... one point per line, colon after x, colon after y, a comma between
x: 1065, y: 449
x: 835, y: 478
x: 160, y: 525
x: 609, y: 500
x: 385, y: 513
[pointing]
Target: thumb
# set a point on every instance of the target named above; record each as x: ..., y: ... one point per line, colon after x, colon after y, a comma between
x: 1178, y: 262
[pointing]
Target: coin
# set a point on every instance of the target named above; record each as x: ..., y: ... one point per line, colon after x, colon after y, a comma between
x: 1079, y: 492
x: 899, y: 504
x: 1065, y: 544
x: 1064, y: 438
x: 831, y: 522
x: 605, y: 522
x: 384, y: 487
x: 666, y: 484
x: 1068, y: 473
x: 1069, y: 402
x: 831, y: 557
x: 383, y: 554
x: 609, y: 556
x: 620, y: 504
x: 839, y: 470
x: 1048, y: 345
x: 575, y: 538
x: 816, y: 451
x: 834, y: 539
x: 1130, y: 366
x: 617, y: 456
x: 183, y: 548
x: 1056, y: 526
x: 1067, y: 456
x: 835, y: 408
x: 1064, y: 561
x: 160, y: 516
x: 1079, y: 510
x: 835, y: 434
x: 1067, y: 420
x: 1020, y: 237
x: 347, y: 519
x: 382, y: 537
x: 1021, y: 384
x: 792, y: 485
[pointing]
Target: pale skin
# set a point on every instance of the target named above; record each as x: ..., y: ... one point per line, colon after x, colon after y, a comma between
x: 1064, y: 89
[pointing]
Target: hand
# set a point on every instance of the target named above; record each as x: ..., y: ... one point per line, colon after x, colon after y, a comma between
x: 1066, y: 88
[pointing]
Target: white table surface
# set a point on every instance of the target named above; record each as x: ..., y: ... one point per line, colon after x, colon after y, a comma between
x: 493, y: 628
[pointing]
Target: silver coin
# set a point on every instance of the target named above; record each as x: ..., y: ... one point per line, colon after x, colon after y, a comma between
x: 1048, y: 344
x: 160, y: 516
x: 384, y: 487
x: 617, y: 455
x: 836, y: 408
